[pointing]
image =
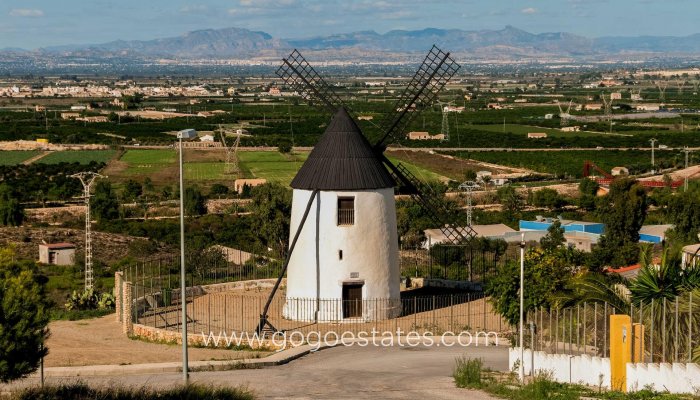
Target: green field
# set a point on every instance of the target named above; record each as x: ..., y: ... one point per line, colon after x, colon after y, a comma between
x: 421, y: 173
x: 525, y: 129
x: 146, y: 162
x: 16, y: 157
x: 271, y: 165
x: 79, y: 156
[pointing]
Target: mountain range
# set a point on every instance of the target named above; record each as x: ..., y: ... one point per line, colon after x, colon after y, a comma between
x: 509, y: 41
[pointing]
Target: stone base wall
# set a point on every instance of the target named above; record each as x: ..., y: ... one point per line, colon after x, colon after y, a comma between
x: 173, y: 337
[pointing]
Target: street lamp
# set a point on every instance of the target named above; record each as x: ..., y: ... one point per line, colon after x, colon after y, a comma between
x: 183, y: 134
x: 521, y: 370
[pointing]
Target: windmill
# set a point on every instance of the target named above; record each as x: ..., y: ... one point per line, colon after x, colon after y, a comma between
x: 231, y: 166
x: 445, y: 109
x: 564, y: 116
x: 436, y: 70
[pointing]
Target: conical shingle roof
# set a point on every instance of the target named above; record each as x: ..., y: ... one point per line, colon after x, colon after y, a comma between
x: 342, y: 159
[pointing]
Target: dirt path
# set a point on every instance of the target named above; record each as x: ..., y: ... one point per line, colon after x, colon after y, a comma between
x: 100, y: 341
x: 36, y: 157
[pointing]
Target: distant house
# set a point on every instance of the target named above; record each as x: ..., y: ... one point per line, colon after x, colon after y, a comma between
x: 206, y: 138
x: 481, y: 175
x: 536, y: 135
x: 619, y: 171
x: 365, y: 117
x: 616, y: 96
x: 571, y: 129
x: 78, y: 108
x: 654, y: 233
x: 691, y: 255
x: 57, y: 253
x: 93, y: 119
x: 70, y: 115
x: 491, y: 231
x: 593, y: 106
x: 417, y: 135
x: 647, y: 107
x: 548, y: 116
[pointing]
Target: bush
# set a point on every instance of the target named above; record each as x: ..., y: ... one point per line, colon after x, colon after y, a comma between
x: 89, y: 300
x: 81, y: 391
x: 467, y: 372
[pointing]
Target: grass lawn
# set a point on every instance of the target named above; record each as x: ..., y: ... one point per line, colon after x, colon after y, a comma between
x: 206, y: 171
x: 79, y: 156
x: 16, y: 157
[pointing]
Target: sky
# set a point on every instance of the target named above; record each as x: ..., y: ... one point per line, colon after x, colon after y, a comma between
x: 32, y: 24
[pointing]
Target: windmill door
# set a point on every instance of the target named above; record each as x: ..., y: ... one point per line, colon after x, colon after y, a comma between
x: 352, y: 300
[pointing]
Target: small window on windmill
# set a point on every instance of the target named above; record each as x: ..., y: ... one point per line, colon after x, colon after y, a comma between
x: 346, y: 211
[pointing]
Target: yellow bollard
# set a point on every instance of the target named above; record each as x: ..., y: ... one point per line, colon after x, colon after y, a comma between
x: 620, y: 350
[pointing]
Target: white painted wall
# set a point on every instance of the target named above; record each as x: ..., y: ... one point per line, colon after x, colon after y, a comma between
x: 370, y: 249
x: 675, y: 378
x: 584, y: 369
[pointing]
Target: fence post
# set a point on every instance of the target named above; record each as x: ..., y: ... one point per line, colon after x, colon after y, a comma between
x: 127, y: 322
x: 118, y: 294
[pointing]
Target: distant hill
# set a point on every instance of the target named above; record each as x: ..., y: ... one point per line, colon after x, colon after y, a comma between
x: 506, y: 42
x: 228, y: 42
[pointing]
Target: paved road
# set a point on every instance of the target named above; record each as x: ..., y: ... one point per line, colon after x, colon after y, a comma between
x: 345, y: 373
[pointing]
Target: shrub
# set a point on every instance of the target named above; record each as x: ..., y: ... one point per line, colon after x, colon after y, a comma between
x: 81, y: 391
x: 89, y: 300
x: 467, y: 372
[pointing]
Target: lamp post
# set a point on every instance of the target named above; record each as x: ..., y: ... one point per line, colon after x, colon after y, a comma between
x: 521, y: 369
x: 183, y: 134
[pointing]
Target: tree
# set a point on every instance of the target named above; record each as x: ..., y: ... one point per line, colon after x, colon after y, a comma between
x: 511, y: 201
x: 554, y: 238
x: 271, y: 210
x: 548, y: 198
x: 218, y: 189
x: 24, y: 317
x: 11, y: 210
x: 195, y: 202
x: 103, y: 202
x: 588, y: 187
x: 684, y: 212
x: 623, y: 211
x: 285, y: 146
x: 470, y: 175
x: 546, y: 273
x: 132, y: 190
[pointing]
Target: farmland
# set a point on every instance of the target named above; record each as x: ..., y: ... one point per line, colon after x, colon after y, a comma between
x: 570, y: 163
x: 16, y: 157
x: 79, y: 156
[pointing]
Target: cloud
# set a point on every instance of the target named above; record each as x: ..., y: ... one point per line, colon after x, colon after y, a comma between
x: 529, y: 10
x: 26, y: 12
x: 267, y: 3
x: 194, y: 8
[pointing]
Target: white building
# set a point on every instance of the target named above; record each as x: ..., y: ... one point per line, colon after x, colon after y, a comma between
x: 347, y: 250
x: 57, y: 253
x: 206, y: 138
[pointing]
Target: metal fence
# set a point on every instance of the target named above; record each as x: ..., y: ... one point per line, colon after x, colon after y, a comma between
x: 232, y: 312
x: 452, y: 262
x: 671, y: 329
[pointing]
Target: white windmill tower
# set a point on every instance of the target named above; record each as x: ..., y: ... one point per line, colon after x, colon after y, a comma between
x: 347, y: 250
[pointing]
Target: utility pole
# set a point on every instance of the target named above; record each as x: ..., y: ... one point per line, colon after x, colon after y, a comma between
x: 686, y: 150
x: 652, y: 141
x: 87, y: 179
x: 468, y: 187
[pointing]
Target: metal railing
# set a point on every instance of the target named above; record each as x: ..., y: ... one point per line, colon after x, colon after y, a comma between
x: 671, y: 329
x: 346, y: 216
x: 232, y: 312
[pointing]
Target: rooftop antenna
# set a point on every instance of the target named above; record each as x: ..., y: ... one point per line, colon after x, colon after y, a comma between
x: 468, y: 187
x: 87, y: 179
